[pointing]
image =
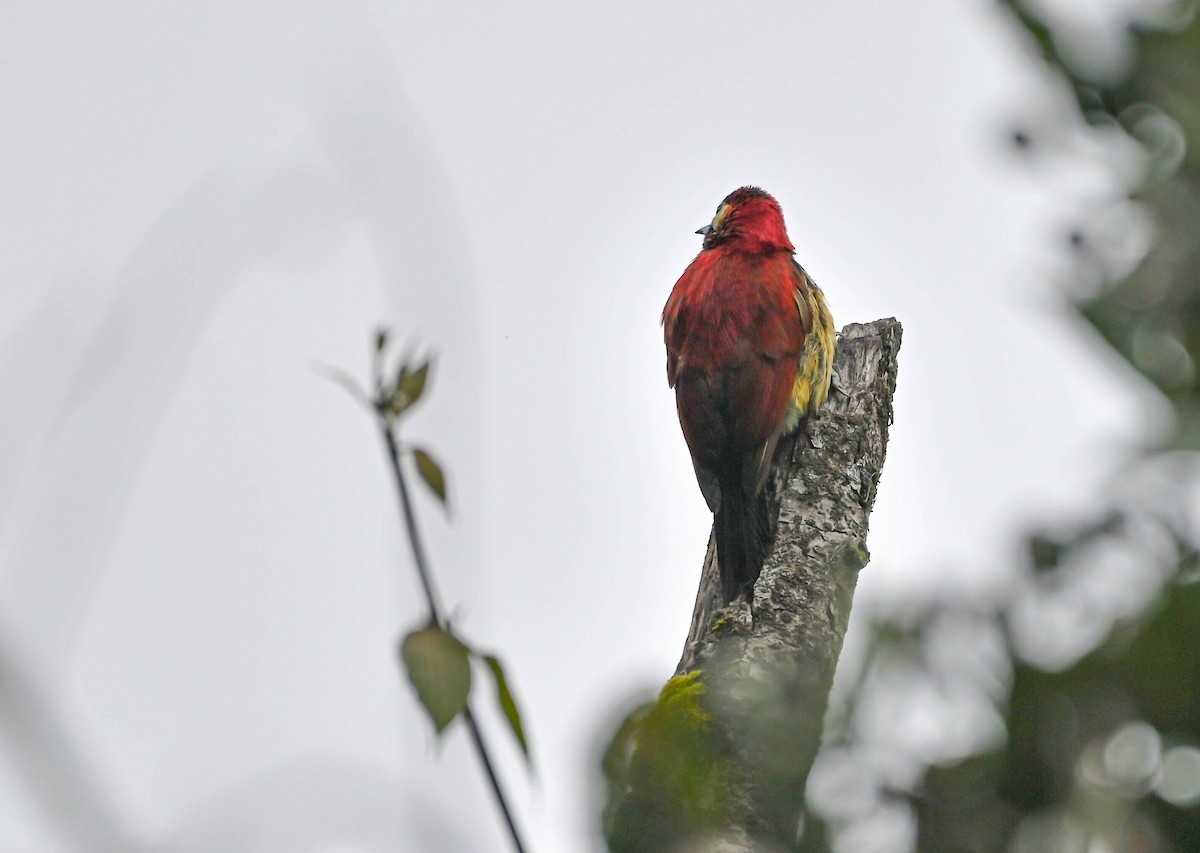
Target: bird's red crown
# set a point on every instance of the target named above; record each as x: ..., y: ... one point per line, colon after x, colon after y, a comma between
x: 748, y: 220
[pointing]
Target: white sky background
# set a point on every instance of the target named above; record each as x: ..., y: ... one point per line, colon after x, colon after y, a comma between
x: 201, y: 562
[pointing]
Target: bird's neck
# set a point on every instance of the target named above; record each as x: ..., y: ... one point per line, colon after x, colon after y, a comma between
x: 750, y: 242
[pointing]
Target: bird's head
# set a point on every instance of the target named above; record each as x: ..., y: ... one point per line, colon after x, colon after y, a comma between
x: 749, y: 219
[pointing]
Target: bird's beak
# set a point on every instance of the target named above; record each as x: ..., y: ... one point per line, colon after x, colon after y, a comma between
x: 706, y: 230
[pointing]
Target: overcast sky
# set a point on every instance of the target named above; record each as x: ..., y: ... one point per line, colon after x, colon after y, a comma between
x: 200, y: 562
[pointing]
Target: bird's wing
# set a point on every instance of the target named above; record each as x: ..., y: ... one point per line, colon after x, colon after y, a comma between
x: 804, y: 303
x: 816, y: 361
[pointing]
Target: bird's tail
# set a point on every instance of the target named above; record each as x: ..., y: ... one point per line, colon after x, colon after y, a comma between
x: 743, y: 530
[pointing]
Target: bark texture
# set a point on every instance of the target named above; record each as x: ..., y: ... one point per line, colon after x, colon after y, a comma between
x: 769, y: 665
x: 721, y: 760
x: 824, y: 481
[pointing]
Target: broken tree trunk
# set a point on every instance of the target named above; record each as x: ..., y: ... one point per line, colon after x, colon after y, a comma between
x: 720, y: 761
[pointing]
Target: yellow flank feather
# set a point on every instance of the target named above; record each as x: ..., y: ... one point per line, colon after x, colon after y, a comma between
x: 816, y: 361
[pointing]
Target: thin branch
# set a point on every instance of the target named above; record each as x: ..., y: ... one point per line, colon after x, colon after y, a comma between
x: 481, y: 748
x: 410, y: 519
x: 418, y: 550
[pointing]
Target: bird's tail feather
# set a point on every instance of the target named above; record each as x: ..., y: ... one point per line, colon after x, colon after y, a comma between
x: 743, y: 539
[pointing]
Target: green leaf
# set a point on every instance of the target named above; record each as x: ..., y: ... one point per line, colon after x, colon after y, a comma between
x: 381, y: 338
x: 431, y: 473
x: 439, y: 667
x: 412, y: 384
x: 409, y: 387
x: 507, y: 703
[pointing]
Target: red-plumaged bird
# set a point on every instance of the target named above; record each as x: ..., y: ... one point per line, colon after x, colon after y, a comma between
x: 750, y: 345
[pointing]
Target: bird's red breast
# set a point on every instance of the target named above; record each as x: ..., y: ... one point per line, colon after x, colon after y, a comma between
x: 735, y: 334
x: 749, y: 353
x: 734, y: 339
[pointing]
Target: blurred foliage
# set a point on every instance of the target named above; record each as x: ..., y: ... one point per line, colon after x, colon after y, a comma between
x: 431, y: 473
x: 1150, y: 316
x: 439, y: 667
x: 1082, y: 678
x: 508, y: 704
x: 667, y: 769
x: 436, y: 660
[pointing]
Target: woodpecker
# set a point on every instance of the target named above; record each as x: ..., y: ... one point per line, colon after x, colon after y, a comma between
x: 750, y: 343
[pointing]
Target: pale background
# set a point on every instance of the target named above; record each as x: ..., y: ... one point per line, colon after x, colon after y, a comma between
x: 201, y: 569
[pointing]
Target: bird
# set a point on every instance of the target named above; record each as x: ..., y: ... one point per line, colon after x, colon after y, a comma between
x: 750, y: 344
